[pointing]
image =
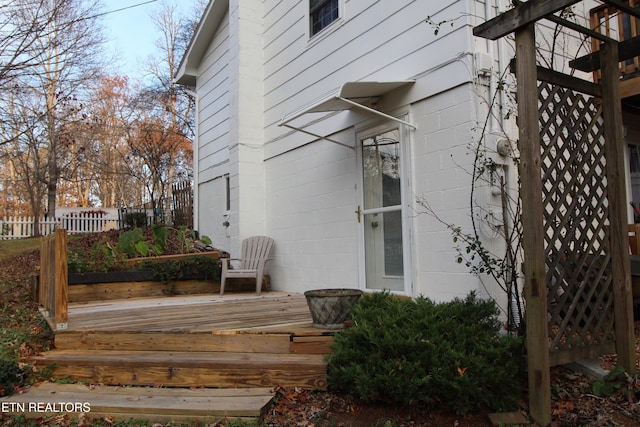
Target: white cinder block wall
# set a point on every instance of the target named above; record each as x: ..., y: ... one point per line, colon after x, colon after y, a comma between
x: 442, y: 159
x: 310, y: 211
x: 261, y: 64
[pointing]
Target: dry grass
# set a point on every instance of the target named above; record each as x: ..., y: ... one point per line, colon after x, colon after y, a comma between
x: 11, y: 248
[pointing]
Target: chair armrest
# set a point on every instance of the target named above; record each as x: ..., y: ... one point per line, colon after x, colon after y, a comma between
x: 262, y: 264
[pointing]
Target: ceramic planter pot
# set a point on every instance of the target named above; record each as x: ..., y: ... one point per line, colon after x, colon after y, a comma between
x: 330, y: 307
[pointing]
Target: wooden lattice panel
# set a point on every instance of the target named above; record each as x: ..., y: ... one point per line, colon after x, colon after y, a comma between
x: 576, y: 214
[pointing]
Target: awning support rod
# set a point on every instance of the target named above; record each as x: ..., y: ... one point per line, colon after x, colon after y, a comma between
x: 318, y: 136
x: 380, y: 113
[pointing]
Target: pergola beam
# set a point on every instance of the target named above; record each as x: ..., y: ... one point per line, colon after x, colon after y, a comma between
x: 526, y: 13
x: 557, y: 78
x: 627, y: 49
x: 579, y: 28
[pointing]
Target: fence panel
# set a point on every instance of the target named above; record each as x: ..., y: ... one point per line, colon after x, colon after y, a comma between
x: 82, y: 222
x: 23, y: 227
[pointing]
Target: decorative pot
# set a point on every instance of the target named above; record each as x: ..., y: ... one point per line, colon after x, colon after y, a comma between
x: 330, y: 307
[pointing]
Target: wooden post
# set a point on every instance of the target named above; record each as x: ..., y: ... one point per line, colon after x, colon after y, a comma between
x: 532, y: 224
x: 61, y: 280
x: 619, y: 244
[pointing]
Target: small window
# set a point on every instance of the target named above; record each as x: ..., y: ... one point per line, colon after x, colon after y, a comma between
x: 322, y: 13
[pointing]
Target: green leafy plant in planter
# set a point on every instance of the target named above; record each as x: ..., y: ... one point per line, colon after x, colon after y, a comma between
x: 133, y: 242
x: 405, y: 351
x: 102, y: 257
x: 107, y: 256
x: 170, y: 272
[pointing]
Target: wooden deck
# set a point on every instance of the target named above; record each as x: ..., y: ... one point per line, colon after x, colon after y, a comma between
x: 235, y: 340
x: 232, y: 313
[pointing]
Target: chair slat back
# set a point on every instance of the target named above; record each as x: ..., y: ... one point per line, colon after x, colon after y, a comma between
x: 255, y: 249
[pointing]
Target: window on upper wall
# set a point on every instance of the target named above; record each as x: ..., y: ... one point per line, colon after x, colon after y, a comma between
x: 322, y: 13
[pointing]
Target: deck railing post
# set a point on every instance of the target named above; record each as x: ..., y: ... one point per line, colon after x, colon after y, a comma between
x: 61, y: 280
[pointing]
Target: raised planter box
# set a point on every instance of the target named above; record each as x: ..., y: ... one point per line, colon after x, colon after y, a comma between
x: 123, y: 276
x: 105, y: 291
x: 140, y: 283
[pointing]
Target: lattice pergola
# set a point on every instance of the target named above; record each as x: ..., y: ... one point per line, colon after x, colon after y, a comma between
x: 576, y: 250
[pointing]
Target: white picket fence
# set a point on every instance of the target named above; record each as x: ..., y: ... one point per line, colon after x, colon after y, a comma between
x: 22, y: 227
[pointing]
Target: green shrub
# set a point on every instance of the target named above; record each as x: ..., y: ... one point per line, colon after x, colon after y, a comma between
x: 77, y: 263
x: 173, y: 270
x: 406, y: 351
x: 11, y: 375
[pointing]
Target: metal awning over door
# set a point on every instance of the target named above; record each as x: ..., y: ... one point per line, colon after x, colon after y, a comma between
x: 359, y: 95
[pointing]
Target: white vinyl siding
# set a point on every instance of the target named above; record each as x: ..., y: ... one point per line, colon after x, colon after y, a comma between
x: 214, y: 92
x: 380, y: 41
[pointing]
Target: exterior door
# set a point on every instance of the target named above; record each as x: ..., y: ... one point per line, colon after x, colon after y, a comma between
x: 381, y: 213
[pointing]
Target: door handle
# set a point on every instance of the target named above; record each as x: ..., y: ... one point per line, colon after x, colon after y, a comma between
x: 358, y: 213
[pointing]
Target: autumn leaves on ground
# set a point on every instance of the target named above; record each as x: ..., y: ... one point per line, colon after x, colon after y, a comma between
x: 23, y: 333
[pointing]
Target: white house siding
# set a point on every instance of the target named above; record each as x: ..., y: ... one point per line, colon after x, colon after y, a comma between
x: 212, y: 160
x: 442, y: 161
x: 310, y: 211
x: 312, y: 186
x: 230, y: 131
x: 247, y: 128
x: 261, y: 65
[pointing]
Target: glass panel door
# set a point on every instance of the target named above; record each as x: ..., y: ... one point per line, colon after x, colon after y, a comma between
x: 382, y: 211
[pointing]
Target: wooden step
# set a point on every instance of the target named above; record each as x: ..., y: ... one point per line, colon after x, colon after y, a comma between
x: 274, y: 343
x: 174, y: 341
x: 188, y: 369
x: 180, y: 405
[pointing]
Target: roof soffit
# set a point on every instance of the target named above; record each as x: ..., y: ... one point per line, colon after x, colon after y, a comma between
x: 207, y: 27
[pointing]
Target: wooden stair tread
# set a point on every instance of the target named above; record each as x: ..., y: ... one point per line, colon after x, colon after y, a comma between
x: 173, y: 341
x: 185, y: 369
x: 150, y: 402
x: 187, y: 359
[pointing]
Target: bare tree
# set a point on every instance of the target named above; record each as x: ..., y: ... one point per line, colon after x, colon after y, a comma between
x: 111, y: 158
x: 159, y: 147
x: 172, y: 104
x: 67, y: 55
x: 24, y: 155
x: 20, y: 33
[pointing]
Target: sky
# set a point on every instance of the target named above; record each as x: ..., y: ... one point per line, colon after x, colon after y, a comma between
x: 130, y: 32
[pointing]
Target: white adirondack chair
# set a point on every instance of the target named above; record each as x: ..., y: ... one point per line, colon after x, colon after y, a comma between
x: 255, y: 254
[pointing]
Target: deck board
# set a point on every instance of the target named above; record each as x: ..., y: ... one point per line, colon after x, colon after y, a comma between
x: 158, y: 404
x: 273, y: 312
